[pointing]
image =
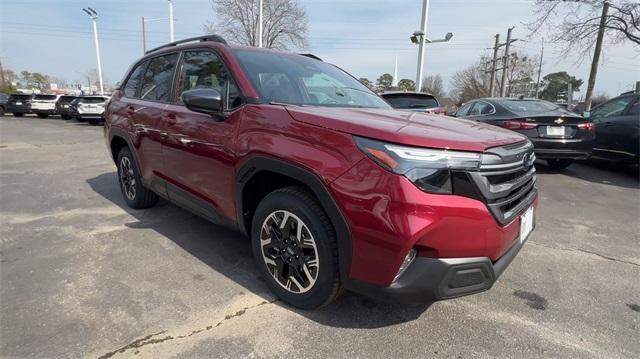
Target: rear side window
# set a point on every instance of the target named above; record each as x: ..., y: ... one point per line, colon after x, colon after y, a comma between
x: 131, y: 87
x: 204, y: 69
x: 157, y: 80
x: 407, y: 101
x: 482, y: 108
x: 464, y: 110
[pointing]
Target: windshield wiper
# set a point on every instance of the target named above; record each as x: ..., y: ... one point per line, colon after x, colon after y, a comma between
x: 284, y: 103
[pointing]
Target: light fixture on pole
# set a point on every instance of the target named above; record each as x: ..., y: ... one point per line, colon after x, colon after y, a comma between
x: 172, y: 37
x: 419, y: 37
x: 94, y: 16
x: 260, y: 24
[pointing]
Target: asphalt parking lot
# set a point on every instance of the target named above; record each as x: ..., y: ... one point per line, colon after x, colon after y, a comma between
x: 82, y: 275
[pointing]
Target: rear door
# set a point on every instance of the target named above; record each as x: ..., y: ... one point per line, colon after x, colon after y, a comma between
x: 199, y: 152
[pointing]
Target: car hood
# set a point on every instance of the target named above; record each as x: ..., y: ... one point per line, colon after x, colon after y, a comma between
x: 408, y: 128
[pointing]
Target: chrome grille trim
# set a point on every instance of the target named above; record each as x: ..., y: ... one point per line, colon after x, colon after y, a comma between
x: 506, y: 180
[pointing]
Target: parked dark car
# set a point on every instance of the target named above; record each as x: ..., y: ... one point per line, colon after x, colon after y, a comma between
x: 559, y: 136
x: 19, y: 104
x: 335, y: 188
x: 617, y: 129
x: 414, y: 101
x: 62, y: 106
x: 3, y: 101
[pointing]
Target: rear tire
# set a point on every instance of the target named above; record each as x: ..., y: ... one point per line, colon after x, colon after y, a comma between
x: 295, y: 248
x: 43, y: 115
x: 65, y: 117
x: 559, y: 164
x: 129, y: 177
x: 18, y: 114
x: 94, y: 121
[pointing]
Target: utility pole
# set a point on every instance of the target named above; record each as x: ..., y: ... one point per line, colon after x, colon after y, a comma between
x: 505, y: 64
x: 172, y: 37
x: 569, y: 95
x: 596, y: 58
x: 94, y: 16
x: 422, y: 39
x: 260, y: 24
x: 494, y: 64
x: 540, y: 68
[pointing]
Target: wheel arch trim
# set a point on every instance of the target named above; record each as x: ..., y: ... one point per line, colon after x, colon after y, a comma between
x: 305, y: 176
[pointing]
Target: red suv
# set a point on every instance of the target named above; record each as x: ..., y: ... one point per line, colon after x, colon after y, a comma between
x: 334, y: 187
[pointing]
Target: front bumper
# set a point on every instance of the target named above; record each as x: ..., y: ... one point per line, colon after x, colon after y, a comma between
x: 432, y: 279
x: 577, y: 149
x: 39, y: 111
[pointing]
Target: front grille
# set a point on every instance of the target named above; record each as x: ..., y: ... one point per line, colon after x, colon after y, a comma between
x: 506, y: 180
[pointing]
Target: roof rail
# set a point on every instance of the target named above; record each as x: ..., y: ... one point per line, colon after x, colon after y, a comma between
x: 214, y: 38
x: 312, y: 56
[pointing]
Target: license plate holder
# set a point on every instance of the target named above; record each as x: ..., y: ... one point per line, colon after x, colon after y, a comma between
x: 526, y: 224
x: 555, y: 130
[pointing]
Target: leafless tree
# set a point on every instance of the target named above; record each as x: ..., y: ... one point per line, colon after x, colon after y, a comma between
x: 575, y: 23
x: 433, y: 85
x: 285, y: 24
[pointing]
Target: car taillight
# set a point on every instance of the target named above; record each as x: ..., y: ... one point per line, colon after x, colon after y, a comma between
x: 589, y: 126
x: 518, y: 125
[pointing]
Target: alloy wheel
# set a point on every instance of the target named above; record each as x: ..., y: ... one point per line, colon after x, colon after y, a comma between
x: 127, y: 178
x: 289, y: 251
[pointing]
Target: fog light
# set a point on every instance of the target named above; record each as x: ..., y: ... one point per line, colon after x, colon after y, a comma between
x: 406, y: 263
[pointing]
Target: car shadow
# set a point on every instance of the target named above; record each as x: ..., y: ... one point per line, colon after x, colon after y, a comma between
x: 229, y: 253
x: 596, y: 171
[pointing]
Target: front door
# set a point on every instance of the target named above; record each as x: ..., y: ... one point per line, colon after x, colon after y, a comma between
x: 199, y: 151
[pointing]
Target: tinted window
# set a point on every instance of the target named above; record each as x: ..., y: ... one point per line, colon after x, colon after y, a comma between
x: 300, y: 80
x: 612, y: 108
x: 528, y: 107
x: 44, y: 97
x: 66, y: 99
x: 20, y: 97
x: 157, y: 80
x: 481, y: 108
x: 131, y: 87
x: 464, y: 110
x: 411, y: 101
x: 635, y: 109
x: 203, y: 69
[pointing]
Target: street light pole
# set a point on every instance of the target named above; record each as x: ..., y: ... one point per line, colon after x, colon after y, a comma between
x: 94, y: 16
x: 423, y: 27
x: 171, y: 21
x: 260, y: 24
x: 144, y: 38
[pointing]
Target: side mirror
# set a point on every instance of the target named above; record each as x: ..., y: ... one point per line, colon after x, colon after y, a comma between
x: 204, y: 100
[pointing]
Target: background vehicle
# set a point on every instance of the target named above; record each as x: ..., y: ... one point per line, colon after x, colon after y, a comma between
x: 3, y: 100
x: 19, y: 104
x: 91, y: 109
x: 559, y: 136
x: 62, y: 106
x: 414, y: 101
x: 44, y: 105
x: 617, y: 129
x: 334, y: 187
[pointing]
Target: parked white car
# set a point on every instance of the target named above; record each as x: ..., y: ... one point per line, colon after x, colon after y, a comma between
x: 91, y: 109
x: 44, y: 105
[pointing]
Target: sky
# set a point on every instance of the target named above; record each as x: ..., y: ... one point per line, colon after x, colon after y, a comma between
x: 361, y: 36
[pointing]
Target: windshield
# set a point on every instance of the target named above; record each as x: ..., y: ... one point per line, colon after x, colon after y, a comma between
x: 411, y: 101
x: 299, y: 80
x: 527, y: 107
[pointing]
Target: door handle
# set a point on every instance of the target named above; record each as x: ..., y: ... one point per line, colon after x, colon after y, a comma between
x: 170, y: 118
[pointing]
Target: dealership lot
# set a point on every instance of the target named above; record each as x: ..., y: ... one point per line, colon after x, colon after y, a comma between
x: 81, y: 274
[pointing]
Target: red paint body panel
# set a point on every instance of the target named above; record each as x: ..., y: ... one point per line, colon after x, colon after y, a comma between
x: 410, y: 128
x: 388, y: 215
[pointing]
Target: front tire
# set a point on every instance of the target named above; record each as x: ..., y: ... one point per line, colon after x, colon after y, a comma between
x: 558, y: 164
x: 43, y: 115
x: 94, y: 121
x: 129, y: 177
x: 295, y: 248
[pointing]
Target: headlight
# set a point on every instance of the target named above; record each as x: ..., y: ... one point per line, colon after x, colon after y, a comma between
x: 429, y: 169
